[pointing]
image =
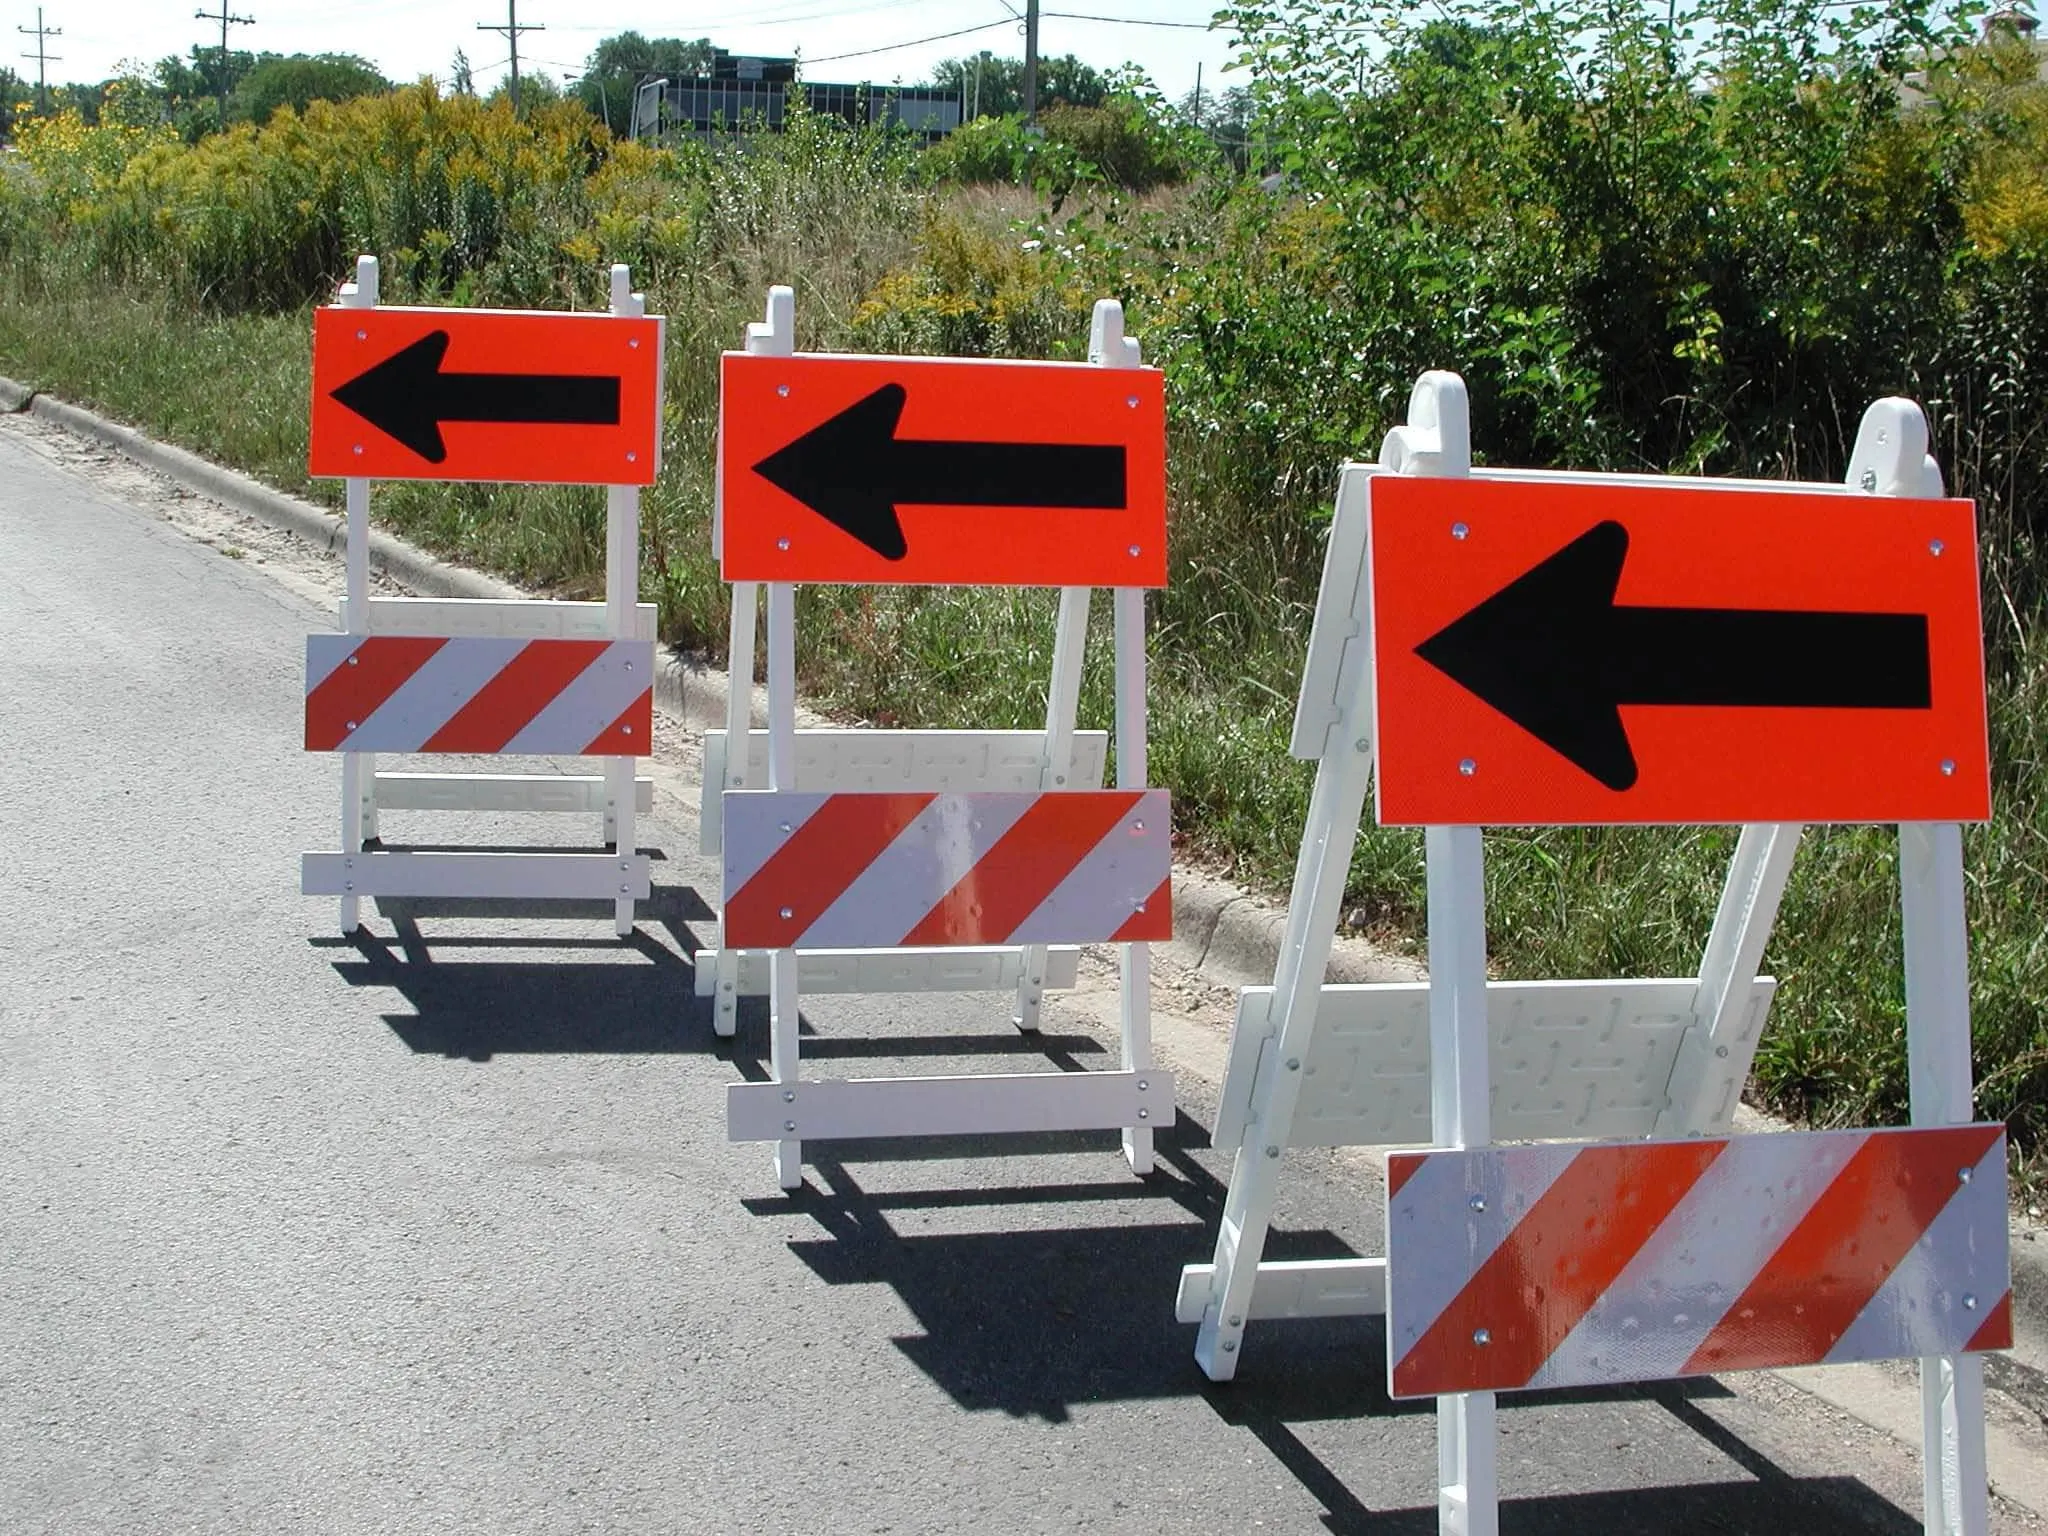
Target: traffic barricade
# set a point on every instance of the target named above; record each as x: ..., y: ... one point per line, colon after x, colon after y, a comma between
x: 486, y: 395
x: 1540, y: 648
x: 937, y: 860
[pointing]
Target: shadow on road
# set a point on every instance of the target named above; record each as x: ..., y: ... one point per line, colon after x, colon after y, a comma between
x: 633, y: 995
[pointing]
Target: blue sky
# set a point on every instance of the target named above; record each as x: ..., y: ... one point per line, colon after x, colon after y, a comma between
x: 407, y: 38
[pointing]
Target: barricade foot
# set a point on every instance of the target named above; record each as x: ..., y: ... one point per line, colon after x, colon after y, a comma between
x: 1138, y: 1149
x: 789, y: 1164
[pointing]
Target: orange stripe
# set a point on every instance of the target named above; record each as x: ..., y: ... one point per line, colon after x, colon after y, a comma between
x: 1401, y: 1167
x: 1996, y: 1329
x: 617, y: 741
x: 1559, y: 1259
x: 1027, y: 862
x: 524, y: 686
x: 813, y: 869
x: 1153, y: 921
x: 349, y: 695
x: 1829, y: 1266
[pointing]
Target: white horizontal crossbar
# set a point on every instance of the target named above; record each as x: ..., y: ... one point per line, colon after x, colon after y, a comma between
x: 1571, y: 1060
x: 501, y: 792
x: 887, y: 970
x: 1294, y: 1288
x: 921, y: 762
x: 547, y: 876
x: 949, y: 1106
x: 502, y: 618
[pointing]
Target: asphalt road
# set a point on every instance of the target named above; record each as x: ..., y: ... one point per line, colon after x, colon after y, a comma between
x: 438, y: 1230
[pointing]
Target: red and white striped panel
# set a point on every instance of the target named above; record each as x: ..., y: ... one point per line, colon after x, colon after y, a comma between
x: 1573, y: 1265
x: 898, y: 871
x: 427, y: 693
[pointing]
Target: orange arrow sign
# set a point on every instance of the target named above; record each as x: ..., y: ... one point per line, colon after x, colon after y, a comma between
x: 472, y: 394
x: 1551, y: 653
x: 941, y: 471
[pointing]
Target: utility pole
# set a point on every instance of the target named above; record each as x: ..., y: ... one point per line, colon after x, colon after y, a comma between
x: 510, y: 32
x: 1198, y: 93
x: 42, y: 35
x: 225, y: 17
x: 1030, y: 61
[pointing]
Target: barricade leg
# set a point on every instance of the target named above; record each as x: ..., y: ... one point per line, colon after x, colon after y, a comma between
x: 1957, y: 1489
x: 370, y: 831
x: 739, y: 720
x: 1468, y: 1500
x: 1062, y: 704
x: 783, y: 1004
x: 1136, y: 960
x: 352, y: 768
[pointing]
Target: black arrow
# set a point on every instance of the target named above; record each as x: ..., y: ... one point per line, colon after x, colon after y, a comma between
x: 854, y: 471
x: 1553, y: 653
x: 408, y: 396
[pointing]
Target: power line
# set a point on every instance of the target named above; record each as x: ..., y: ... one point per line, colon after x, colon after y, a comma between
x: 915, y: 42
x: 510, y: 32
x: 42, y: 35
x: 1133, y: 21
x: 225, y: 17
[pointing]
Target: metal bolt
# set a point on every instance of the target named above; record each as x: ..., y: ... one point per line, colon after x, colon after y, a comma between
x: 633, y: 342
x: 362, y: 335
x: 1964, y: 1175
x: 726, y: 987
x: 1272, y: 1151
x: 1038, y: 981
x: 1720, y: 1050
x: 1237, y: 1322
x: 1294, y: 1063
x: 1948, y: 767
x: 1482, y: 1337
x: 790, y: 1126
x: 351, y: 661
x: 1969, y: 1302
x: 787, y: 914
x: 625, y: 730
x: 1131, y: 401
x: 1143, y: 1085
x: 1467, y: 767
x: 1135, y: 551
x: 351, y: 725
x: 1459, y: 530
x: 1144, y: 1114
x: 782, y: 389
x: 1059, y: 778
x: 783, y: 825
x: 1137, y: 826
x: 1477, y: 1202
x: 1361, y: 745
x: 629, y: 666
x: 1869, y: 481
x: 789, y: 1096
x: 623, y: 890
x: 1934, y: 548
x: 782, y: 543
x: 1230, y: 1346
x: 348, y: 885
x: 1137, y: 906
x: 359, y: 447
x: 632, y: 457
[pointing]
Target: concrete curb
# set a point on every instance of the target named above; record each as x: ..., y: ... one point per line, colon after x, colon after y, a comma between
x: 1223, y: 934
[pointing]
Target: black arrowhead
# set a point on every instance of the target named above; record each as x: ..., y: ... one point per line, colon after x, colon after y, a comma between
x: 400, y: 396
x: 854, y: 471
x: 1553, y: 653
x: 844, y: 469
x: 1537, y: 651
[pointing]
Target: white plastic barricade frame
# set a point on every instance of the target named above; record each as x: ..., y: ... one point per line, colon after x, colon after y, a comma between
x: 1461, y: 1061
x: 617, y: 793
x: 1136, y: 1096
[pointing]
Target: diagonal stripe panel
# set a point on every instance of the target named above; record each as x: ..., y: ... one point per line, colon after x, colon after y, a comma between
x: 818, y: 859
x: 1533, y: 1289
x: 1825, y: 1273
x: 950, y: 836
x: 1105, y: 891
x: 992, y: 899
x: 349, y: 677
x: 595, y: 701
x: 494, y: 714
x: 1791, y: 1249
x: 1996, y: 1332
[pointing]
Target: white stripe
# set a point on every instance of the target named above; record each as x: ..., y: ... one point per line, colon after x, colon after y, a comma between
x: 1437, y: 1239
x: 1680, y: 1284
x: 325, y: 653
x: 1965, y: 1252
x: 754, y: 829
x: 1102, y: 892
x: 432, y: 696
x: 594, y: 698
x: 913, y: 874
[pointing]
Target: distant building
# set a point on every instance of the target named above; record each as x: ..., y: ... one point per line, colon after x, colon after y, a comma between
x: 744, y: 93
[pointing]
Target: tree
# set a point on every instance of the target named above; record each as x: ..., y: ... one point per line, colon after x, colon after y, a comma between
x: 300, y: 79
x: 618, y: 65
x: 994, y: 87
x: 461, y: 78
x: 14, y: 91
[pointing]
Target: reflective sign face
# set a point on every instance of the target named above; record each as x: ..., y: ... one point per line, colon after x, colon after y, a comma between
x: 469, y: 394
x: 943, y: 471
x: 1553, y: 653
